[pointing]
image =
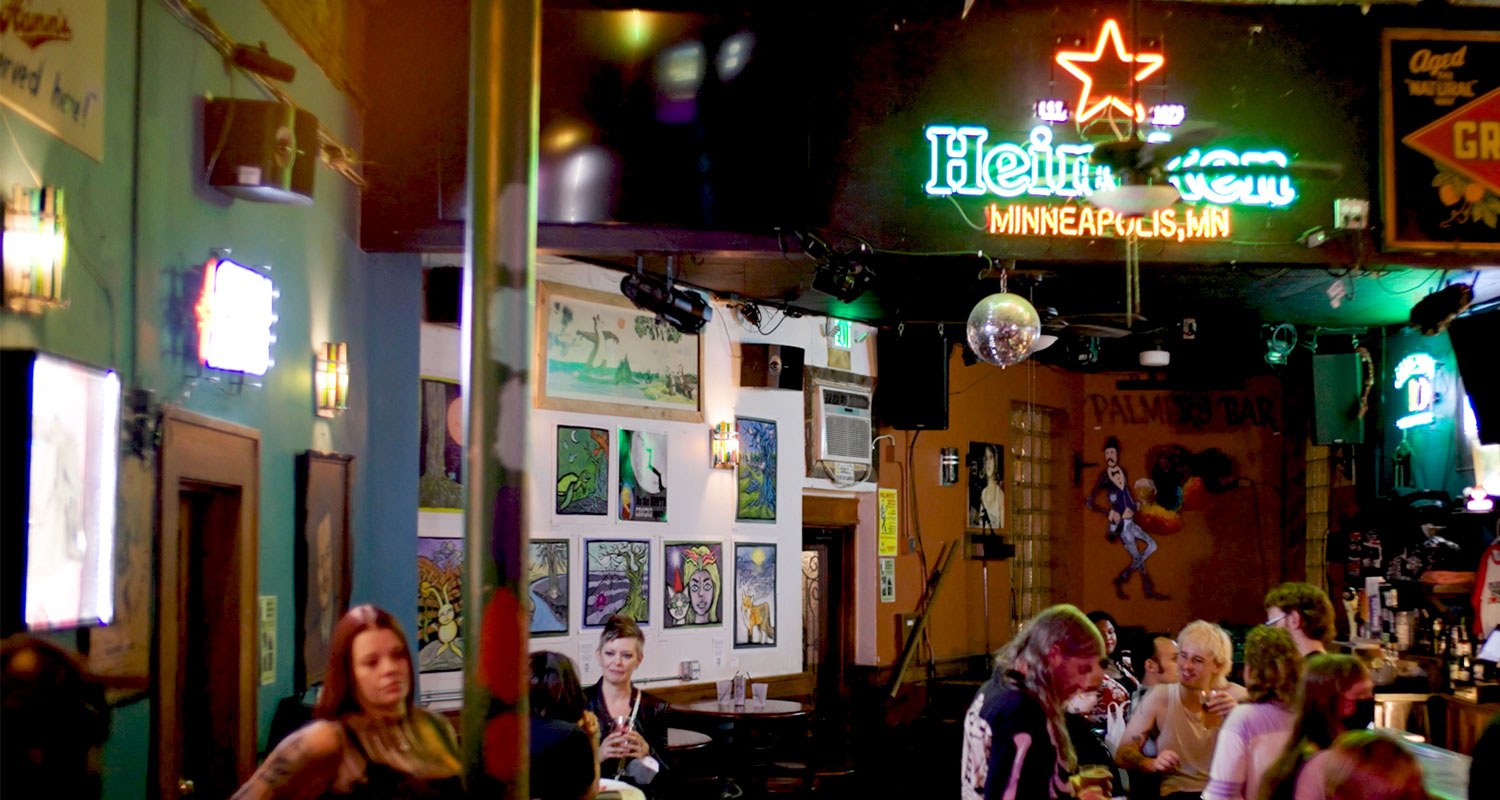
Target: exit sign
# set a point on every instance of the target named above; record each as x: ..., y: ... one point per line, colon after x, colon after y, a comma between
x: 839, y: 331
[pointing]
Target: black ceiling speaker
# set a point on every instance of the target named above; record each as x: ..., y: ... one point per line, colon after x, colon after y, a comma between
x: 259, y: 150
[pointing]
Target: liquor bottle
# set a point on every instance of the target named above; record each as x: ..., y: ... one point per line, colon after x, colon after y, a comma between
x: 1439, y: 638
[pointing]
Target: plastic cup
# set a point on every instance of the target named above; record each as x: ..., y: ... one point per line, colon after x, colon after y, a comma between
x: 759, y: 691
x: 724, y: 688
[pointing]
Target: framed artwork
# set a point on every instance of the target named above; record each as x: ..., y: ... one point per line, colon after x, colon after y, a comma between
x: 986, y: 464
x: 695, y: 584
x: 616, y: 579
x: 643, y: 476
x: 755, y: 492
x: 582, y: 471
x: 324, y: 482
x: 755, y: 593
x: 547, y: 587
x: 440, y: 471
x: 440, y: 609
x: 602, y: 355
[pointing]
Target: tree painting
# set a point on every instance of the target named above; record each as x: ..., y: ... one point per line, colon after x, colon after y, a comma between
x: 440, y: 569
x: 582, y: 471
x: 547, y: 593
x: 615, y: 581
x: 599, y: 350
x: 756, y: 494
x: 440, y: 481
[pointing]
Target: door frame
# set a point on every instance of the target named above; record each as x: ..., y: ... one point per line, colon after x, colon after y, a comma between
x: 196, y: 449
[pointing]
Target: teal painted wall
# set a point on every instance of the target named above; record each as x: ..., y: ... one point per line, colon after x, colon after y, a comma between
x: 139, y: 321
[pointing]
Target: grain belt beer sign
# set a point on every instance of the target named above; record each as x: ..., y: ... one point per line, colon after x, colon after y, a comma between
x: 1441, y: 139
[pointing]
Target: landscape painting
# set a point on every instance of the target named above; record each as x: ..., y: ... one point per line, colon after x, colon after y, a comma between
x: 643, y: 476
x: 694, y: 580
x: 440, y: 597
x: 547, y: 587
x: 602, y: 355
x: 755, y: 495
x: 755, y: 595
x: 616, y: 577
x: 582, y: 471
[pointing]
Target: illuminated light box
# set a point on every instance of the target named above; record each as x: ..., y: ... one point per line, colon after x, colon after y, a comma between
x: 236, y: 318
x: 962, y: 162
x: 59, y: 453
x: 1417, y: 374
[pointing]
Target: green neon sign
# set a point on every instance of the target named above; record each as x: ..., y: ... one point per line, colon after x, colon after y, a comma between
x: 961, y: 161
x: 1417, y: 374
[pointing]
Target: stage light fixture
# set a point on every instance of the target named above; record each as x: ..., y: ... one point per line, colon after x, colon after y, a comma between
x: 686, y: 311
x: 1280, y: 341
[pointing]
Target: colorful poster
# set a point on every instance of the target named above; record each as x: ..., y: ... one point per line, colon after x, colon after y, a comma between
x: 547, y: 587
x: 986, y: 464
x: 440, y: 471
x: 643, y: 476
x: 694, y: 580
x: 616, y: 577
x: 755, y: 498
x: 755, y: 586
x: 582, y: 471
x: 52, y: 60
x: 440, y: 597
x: 887, y: 514
x: 887, y: 572
x: 1440, y: 149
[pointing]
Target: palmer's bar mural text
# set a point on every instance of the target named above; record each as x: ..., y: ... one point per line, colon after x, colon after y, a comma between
x: 1198, y: 410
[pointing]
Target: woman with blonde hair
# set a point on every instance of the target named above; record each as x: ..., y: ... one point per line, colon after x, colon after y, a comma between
x: 1015, y: 737
x: 1187, y: 715
x: 1255, y: 733
x: 1336, y: 694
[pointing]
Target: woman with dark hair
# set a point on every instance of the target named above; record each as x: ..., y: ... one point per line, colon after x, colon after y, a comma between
x: 1119, y: 678
x: 1255, y: 733
x: 1336, y: 694
x: 1016, y: 740
x: 368, y: 738
x: 564, y: 764
x: 632, y: 722
x: 1365, y: 765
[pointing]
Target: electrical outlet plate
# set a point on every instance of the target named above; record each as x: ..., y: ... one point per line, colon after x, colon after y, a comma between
x: 1351, y: 214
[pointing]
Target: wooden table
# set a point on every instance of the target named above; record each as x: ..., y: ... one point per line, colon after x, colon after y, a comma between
x: 681, y: 739
x: 745, y: 734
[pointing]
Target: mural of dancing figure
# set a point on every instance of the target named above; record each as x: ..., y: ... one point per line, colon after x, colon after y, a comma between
x: 1115, y: 484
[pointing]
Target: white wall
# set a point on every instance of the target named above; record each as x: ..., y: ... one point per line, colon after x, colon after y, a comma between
x: 701, y: 500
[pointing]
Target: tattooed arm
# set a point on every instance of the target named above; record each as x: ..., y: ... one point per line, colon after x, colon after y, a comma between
x: 1142, y: 721
x: 304, y: 765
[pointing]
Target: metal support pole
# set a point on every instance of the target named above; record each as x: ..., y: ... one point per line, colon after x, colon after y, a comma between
x: 499, y: 295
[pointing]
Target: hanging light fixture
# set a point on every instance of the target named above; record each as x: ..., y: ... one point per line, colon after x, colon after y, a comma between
x: 35, y: 249
x: 331, y: 379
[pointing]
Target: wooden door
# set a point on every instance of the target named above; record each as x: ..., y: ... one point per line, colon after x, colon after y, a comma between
x: 204, y: 719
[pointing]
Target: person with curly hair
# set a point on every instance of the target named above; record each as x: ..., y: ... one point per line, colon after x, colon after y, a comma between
x: 1256, y: 732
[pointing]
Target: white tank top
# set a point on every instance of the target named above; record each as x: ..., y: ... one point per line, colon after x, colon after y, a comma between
x: 1184, y: 732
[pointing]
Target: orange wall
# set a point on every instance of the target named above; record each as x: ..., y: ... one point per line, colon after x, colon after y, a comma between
x: 980, y: 399
x: 1226, y: 554
x: 1217, y: 566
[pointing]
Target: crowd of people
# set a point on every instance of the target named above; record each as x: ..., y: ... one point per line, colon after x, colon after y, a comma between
x: 1296, y: 728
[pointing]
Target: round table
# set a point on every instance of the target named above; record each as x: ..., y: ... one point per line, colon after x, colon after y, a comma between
x: 769, y: 709
x: 680, y: 739
x: 622, y: 789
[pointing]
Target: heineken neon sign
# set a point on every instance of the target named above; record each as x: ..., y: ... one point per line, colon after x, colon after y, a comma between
x: 962, y: 161
x: 1417, y: 374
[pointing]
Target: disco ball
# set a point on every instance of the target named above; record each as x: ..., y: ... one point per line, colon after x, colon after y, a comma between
x: 1002, y: 329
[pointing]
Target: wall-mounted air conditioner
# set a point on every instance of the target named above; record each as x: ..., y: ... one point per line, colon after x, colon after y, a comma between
x: 841, y: 423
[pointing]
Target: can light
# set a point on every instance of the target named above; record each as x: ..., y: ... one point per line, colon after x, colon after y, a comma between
x: 35, y: 245
x: 331, y: 379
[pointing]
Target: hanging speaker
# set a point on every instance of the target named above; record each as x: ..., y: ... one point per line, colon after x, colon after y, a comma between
x: 912, y: 393
x: 259, y: 150
x: 771, y: 366
x: 1337, y: 384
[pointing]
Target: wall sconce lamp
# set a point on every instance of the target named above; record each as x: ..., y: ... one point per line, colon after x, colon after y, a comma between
x: 724, y: 446
x: 35, y: 245
x: 331, y: 379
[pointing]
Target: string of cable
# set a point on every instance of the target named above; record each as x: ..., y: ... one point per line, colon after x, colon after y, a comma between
x: 338, y: 156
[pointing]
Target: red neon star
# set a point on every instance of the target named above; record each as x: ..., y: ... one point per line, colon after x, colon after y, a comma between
x: 1149, y: 63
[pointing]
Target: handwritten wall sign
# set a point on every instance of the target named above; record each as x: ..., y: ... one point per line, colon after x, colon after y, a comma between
x: 52, y: 67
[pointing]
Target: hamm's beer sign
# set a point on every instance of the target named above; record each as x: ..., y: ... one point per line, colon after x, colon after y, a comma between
x: 1441, y: 139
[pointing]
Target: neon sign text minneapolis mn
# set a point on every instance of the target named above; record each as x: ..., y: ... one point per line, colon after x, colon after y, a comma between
x: 961, y: 162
